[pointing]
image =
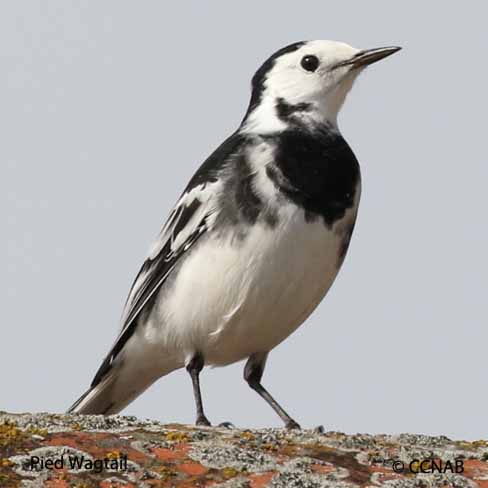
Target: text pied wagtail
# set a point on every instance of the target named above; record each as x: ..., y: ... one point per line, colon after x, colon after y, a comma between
x: 255, y: 240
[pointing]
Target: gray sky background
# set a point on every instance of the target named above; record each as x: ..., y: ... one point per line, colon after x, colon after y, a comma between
x: 107, y: 108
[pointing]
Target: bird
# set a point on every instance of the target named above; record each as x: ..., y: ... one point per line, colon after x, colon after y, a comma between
x: 254, y: 242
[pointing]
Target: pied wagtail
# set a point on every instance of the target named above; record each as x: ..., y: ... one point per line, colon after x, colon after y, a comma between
x: 254, y: 242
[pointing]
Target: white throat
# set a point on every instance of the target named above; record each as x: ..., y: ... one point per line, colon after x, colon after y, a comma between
x: 264, y: 118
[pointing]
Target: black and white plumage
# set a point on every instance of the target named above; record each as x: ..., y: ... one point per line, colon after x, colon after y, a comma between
x: 255, y: 240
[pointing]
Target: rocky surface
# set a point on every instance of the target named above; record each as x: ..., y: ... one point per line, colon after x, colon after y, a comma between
x: 58, y: 451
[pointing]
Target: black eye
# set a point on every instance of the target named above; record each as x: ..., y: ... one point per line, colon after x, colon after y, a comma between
x: 310, y: 63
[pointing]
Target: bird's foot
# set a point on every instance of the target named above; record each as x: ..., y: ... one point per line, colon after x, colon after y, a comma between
x: 227, y: 425
x: 291, y: 424
x: 202, y: 420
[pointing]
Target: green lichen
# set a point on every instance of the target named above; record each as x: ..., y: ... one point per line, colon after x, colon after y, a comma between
x: 229, y: 473
x: 5, y: 480
x: 37, y: 431
x: 175, y: 436
x: 473, y: 445
x: 165, y: 473
x: 76, y: 426
x: 10, y: 434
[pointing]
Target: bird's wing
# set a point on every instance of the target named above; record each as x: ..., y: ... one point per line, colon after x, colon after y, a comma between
x: 188, y: 221
x: 191, y: 217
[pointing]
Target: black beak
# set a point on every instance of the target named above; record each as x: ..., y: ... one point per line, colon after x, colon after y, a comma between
x: 368, y: 56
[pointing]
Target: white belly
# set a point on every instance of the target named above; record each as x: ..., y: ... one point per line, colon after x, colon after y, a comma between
x: 233, y: 298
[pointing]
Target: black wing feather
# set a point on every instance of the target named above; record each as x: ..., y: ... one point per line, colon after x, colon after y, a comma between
x: 156, y: 269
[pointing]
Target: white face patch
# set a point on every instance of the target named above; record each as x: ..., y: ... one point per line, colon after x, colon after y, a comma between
x: 323, y: 90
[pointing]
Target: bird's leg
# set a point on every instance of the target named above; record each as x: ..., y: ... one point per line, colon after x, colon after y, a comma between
x: 194, y: 367
x: 253, y: 372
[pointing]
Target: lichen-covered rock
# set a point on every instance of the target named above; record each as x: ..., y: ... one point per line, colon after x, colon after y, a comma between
x: 61, y: 451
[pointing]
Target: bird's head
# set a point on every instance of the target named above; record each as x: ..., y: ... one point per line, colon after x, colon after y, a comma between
x: 306, y: 82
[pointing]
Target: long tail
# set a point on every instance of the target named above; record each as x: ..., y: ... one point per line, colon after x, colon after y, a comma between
x: 118, y: 386
x: 113, y: 389
x: 102, y: 398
